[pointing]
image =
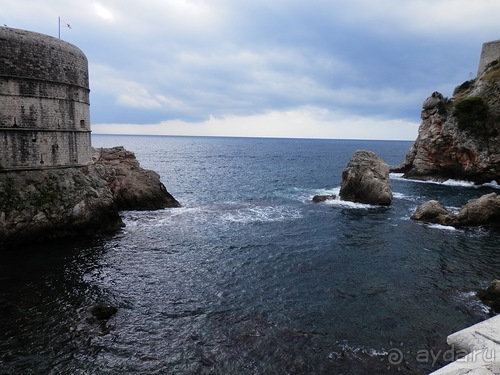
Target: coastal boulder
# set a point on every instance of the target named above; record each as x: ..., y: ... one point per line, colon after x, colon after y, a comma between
x: 483, y: 211
x: 366, y: 180
x: 491, y: 296
x: 433, y: 212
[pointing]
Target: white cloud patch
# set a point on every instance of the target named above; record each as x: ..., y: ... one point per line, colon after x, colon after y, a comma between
x: 103, y: 12
x: 427, y: 17
x: 139, y: 97
x: 130, y: 93
x: 307, y: 122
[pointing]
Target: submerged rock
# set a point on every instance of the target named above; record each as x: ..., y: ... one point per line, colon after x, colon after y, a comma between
x: 103, y: 311
x: 366, y: 180
x: 483, y: 211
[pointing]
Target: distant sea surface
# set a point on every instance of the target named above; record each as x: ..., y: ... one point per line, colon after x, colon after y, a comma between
x: 249, y: 276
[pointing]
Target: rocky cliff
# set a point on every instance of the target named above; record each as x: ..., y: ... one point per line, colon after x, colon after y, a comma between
x: 55, y: 203
x: 459, y: 138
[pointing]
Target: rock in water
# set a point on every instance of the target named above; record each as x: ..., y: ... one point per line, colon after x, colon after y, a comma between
x: 433, y: 212
x: 366, y: 180
x: 103, y: 311
x: 323, y: 198
x: 483, y: 211
x: 491, y: 296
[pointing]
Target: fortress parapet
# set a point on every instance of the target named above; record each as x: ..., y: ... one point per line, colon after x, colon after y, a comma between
x: 489, y: 52
x: 44, y: 102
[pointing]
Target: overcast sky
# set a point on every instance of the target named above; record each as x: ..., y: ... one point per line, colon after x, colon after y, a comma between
x: 281, y: 68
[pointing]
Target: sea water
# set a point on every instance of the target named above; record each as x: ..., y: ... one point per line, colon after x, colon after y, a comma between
x: 249, y: 276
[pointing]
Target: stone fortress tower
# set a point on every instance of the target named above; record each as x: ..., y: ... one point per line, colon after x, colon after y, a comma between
x: 44, y: 102
x: 489, y: 52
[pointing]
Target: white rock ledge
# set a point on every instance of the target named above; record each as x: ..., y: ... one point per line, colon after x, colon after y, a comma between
x: 482, y: 342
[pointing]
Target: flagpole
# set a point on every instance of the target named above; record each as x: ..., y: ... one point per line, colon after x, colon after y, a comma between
x: 59, y: 27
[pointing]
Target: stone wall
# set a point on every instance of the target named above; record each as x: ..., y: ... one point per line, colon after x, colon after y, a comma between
x: 38, y: 149
x: 44, y: 102
x: 489, y: 52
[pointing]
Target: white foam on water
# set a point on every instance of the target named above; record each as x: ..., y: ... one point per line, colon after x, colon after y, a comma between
x: 332, y: 191
x: 472, y: 302
x: 396, y: 176
x: 348, y: 204
x: 134, y: 220
x: 357, y: 351
x: 442, y: 227
x: 305, y: 195
x: 337, y: 201
x: 397, y: 195
x: 492, y: 184
x: 458, y: 183
x: 264, y: 214
x: 449, y: 182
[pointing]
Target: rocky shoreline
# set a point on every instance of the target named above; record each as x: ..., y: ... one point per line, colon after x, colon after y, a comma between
x: 38, y: 205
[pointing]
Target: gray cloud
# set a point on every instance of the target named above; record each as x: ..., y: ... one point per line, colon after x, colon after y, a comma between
x: 156, y: 61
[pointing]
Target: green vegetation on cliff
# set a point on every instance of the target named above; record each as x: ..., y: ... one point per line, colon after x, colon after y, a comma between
x: 472, y: 114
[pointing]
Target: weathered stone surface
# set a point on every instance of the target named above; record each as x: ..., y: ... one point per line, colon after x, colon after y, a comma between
x: 55, y: 203
x: 483, y: 211
x: 433, y: 212
x: 479, y: 346
x: 133, y: 188
x: 459, y: 138
x: 44, y: 102
x: 48, y: 204
x: 366, y: 180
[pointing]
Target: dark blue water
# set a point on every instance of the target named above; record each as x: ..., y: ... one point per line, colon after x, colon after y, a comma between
x: 249, y: 276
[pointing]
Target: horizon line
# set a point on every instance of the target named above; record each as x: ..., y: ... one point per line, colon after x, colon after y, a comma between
x: 248, y: 136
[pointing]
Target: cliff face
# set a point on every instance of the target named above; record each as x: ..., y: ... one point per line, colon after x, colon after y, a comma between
x: 460, y: 137
x: 48, y: 204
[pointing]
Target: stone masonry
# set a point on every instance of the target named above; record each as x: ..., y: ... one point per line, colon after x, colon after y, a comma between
x: 44, y: 102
